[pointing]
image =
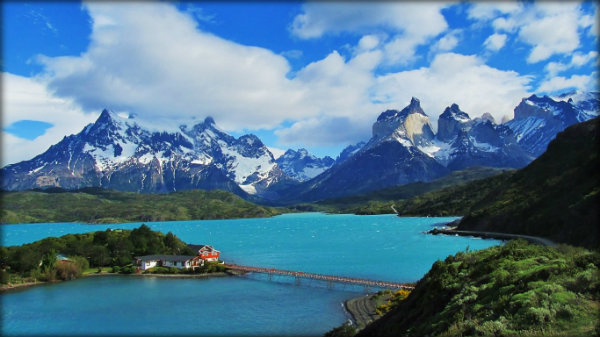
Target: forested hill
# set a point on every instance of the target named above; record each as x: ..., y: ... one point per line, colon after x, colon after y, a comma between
x: 556, y: 196
x: 95, y: 205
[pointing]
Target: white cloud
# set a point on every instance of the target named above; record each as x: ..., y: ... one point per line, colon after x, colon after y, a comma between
x: 578, y: 59
x: 560, y: 83
x: 495, y: 41
x: 28, y: 99
x: 320, y: 18
x: 489, y: 10
x: 454, y: 78
x: 562, y: 39
x: 410, y: 24
x: 368, y: 42
x: 548, y: 28
x: 151, y: 59
x: 447, y: 42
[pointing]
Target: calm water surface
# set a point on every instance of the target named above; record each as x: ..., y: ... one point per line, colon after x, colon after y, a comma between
x: 382, y: 247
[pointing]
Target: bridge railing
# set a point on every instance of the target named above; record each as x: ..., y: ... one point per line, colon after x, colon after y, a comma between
x: 332, y: 278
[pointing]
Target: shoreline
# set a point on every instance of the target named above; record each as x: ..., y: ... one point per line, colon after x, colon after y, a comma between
x: 494, y: 235
x: 12, y: 287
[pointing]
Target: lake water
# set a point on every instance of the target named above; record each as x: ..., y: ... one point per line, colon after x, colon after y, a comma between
x: 383, y: 247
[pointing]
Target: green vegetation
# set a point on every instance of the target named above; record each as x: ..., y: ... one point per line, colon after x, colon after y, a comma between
x: 515, y: 289
x: 94, y: 205
x: 381, y: 201
x: 208, y: 268
x: 38, y: 261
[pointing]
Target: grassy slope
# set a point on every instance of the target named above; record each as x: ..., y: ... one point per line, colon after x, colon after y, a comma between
x: 380, y: 201
x: 515, y: 289
x: 104, y: 206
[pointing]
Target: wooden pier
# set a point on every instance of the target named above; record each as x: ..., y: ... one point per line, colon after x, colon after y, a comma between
x: 328, y: 278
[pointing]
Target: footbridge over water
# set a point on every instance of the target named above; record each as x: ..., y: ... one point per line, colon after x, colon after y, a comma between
x: 328, y: 278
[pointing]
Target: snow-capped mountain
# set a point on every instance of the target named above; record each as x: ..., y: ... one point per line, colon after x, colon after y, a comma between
x: 537, y: 120
x: 301, y: 165
x: 126, y: 154
x: 389, y: 158
x: 404, y: 148
x: 462, y: 142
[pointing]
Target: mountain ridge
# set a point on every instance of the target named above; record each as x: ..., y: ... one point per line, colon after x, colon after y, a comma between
x: 129, y: 154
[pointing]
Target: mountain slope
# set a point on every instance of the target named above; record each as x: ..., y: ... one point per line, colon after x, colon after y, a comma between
x: 556, y: 196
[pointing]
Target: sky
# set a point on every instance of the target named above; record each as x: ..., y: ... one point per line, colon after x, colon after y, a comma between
x: 311, y: 75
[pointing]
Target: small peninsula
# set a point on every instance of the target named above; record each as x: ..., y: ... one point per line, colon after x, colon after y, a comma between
x: 137, y: 251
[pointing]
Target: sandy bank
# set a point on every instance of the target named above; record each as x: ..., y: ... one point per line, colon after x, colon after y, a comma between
x: 362, y: 310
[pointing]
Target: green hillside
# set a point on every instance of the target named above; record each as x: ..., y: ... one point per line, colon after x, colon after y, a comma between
x: 94, y: 205
x: 518, y: 289
x: 556, y: 196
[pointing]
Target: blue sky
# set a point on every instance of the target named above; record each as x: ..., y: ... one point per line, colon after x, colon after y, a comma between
x: 297, y: 74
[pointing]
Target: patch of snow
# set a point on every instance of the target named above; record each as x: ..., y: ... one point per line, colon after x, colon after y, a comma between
x: 405, y: 142
x: 311, y: 172
x: 36, y: 170
x: 249, y: 188
x: 146, y: 158
x: 437, y: 150
x: 276, y: 152
x: 526, y: 126
x: 485, y: 147
x: 203, y: 160
x: 242, y: 167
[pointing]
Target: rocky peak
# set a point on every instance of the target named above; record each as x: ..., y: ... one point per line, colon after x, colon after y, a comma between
x: 488, y: 117
x: 451, y: 121
x: 411, y: 123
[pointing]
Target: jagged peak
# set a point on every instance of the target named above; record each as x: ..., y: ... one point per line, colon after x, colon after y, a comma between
x: 209, y: 121
x: 106, y: 116
x: 413, y: 107
x: 414, y: 102
x: 488, y: 117
x: 454, y: 112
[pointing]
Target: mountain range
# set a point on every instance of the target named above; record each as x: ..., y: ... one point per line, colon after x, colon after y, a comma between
x: 124, y: 153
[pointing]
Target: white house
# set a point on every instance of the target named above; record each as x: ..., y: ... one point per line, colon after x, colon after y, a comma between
x: 177, y: 261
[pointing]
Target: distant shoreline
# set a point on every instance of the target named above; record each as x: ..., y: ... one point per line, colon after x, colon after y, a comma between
x: 8, y: 288
x: 494, y: 235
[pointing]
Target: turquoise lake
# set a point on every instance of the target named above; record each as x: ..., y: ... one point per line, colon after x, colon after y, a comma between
x: 382, y: 247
